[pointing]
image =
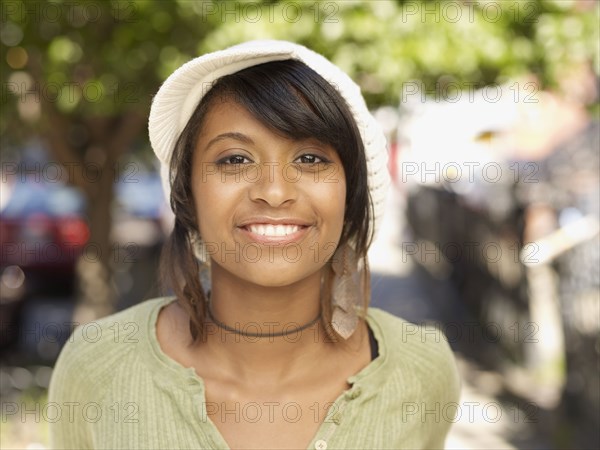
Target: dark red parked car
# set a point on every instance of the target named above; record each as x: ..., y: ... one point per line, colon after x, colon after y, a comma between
x: 42, y: 232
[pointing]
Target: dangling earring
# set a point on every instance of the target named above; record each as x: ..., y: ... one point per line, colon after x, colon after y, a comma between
x: 199, y: 248
x: 201, y: 254
x: 347, y: 290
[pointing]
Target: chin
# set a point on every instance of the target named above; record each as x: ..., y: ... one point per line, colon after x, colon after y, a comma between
x: 275, y: 275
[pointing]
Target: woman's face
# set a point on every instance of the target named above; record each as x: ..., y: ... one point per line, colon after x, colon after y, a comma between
x: 270, y: 209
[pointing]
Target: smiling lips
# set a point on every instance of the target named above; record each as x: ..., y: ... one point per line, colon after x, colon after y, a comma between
x: 274, y: 232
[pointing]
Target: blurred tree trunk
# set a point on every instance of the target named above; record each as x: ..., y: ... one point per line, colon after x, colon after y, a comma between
x: 95, y: 173
x: 97, y: 296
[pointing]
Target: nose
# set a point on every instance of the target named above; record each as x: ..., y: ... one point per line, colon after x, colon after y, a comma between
x: 274, y: 184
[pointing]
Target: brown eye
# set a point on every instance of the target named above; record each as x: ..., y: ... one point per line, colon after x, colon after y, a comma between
x: 234, y: 160
x: 311, y: 159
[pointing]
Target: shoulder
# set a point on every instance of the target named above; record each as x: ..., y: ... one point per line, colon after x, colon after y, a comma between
x: 98, y: 358
x: 417, y: 353
x: 401, y: 336
x: 95, y: 349
x: 416, y: 380
x: 93, y: 339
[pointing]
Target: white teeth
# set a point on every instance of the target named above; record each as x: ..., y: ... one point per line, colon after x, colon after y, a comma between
x: 273, y: 230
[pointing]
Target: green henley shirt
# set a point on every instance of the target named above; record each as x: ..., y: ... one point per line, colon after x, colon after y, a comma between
x: 114, y: 388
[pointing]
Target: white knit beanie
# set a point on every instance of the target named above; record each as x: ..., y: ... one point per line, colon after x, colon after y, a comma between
x: 181, y: 93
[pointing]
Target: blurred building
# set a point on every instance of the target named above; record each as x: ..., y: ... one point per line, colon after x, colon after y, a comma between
x: 503, y: 199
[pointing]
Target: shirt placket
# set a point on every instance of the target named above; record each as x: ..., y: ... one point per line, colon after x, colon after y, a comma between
x: 335, y: 417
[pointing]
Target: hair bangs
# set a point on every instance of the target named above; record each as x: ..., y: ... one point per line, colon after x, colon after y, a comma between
x: 286, y: 97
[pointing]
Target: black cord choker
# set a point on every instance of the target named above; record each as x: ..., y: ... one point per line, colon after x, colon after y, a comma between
x: 260, y: 335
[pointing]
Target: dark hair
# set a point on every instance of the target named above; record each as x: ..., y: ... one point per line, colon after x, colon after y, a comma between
x: 294, y: 101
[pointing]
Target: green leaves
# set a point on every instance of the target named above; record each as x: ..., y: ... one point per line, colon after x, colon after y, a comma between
x: 110, y: 56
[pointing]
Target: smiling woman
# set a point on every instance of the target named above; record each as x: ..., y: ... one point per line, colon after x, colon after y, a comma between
x: 276, y: 175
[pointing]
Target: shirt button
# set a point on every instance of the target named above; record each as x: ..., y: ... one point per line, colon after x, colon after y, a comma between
x: 321, y: 445
x: 337, y: 418
x: 354, y: 393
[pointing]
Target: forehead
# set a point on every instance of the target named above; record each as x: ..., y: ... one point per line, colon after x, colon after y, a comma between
x: 226, y: 116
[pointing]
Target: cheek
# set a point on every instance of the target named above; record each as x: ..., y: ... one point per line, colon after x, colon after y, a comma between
x: 203, y: 218
x: 214, y: 201
x: 331, y: 197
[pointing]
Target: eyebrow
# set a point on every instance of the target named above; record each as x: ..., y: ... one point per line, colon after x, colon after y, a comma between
x: 231, y: 135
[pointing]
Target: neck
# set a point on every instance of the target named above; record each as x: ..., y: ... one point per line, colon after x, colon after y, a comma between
x: 270, y: 311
